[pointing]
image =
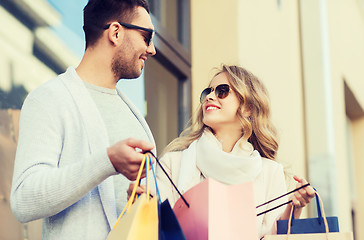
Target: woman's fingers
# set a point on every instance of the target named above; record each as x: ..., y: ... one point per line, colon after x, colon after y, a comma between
x: 303, y: 196
x: 130, y: 190
x: 139, y: 190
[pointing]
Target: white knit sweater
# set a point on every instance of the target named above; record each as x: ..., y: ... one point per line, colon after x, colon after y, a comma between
x: 62, y: 171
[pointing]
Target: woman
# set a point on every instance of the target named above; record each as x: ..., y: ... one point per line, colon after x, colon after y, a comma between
x: 232, y: 140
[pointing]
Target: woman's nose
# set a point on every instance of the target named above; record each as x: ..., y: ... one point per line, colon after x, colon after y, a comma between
x: 211, y: 96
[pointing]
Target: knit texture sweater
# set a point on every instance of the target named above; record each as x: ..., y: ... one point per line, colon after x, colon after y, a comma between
x: 62, y: 170
x: 120, y: 123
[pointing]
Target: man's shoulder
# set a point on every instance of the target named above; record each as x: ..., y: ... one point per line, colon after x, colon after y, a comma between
x: 49, y: 89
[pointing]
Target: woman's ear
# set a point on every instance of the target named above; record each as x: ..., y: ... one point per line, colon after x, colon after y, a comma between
x: 115, y: 33
x: 247, y: 112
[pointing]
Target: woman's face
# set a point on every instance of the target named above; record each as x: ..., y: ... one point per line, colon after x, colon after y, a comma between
x: 220, y: 114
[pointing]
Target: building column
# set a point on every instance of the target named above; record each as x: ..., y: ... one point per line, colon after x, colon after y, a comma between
x: 318, y: 101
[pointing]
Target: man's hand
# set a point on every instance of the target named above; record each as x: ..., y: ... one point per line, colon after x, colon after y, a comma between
x: 126, y: 159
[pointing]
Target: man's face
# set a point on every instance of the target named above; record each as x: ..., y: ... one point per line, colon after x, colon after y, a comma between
x: 129, y: 59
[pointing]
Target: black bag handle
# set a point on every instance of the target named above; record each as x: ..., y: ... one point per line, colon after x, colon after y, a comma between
x: 169, y: 178
x: 294, y: 190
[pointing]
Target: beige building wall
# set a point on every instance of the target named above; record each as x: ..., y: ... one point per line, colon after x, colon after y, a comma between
x: 303, y: 51
x: 358, y: 140
x: 346, y: 27
x: 272, y: 52
x: 214, y: 40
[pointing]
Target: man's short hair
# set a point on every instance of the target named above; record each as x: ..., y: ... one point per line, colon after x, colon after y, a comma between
x: 97, y: 13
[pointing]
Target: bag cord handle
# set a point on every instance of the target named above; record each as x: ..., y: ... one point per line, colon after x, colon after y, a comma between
x: 169, y: 178
x: 132, y: 196
x: 294, y: 190
x: 155, y: 178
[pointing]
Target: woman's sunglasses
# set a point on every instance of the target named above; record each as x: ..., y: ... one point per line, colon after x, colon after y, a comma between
x: 221, y: 91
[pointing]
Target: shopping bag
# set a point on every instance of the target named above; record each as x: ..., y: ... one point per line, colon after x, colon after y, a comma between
x: 218, y: 211
x: 169, y: 228
x: 140, y: 221
x: 309, y: 225
x: 312, y: 236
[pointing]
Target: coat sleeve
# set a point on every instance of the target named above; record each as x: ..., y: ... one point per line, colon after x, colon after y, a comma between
x: 170, y: 163
x: 276, y: 187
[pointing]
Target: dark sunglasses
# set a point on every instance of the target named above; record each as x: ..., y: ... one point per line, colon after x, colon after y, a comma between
x: 221, y: 91
x: 148, y: 39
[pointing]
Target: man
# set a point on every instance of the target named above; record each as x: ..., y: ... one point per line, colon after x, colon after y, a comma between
x: 80, y: 138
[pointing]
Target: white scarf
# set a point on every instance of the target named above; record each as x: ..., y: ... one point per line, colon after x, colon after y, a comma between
x: 205, y: 154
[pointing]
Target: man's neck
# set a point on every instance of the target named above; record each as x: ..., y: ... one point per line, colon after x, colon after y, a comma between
x: 96, y: 69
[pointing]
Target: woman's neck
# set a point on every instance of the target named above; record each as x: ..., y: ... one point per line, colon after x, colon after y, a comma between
x: 228, y: 139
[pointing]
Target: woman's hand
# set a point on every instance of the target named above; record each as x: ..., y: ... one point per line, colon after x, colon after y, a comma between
x: 299, y: 199
x: 303, y: 196
x: 139, y: 190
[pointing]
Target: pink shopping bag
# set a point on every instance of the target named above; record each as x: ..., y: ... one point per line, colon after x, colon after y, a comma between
x: 218, y: 211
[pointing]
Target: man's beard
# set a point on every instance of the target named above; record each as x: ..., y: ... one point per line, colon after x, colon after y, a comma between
x: 124, y: 68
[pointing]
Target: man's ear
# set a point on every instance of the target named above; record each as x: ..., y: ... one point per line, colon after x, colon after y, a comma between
x: 115, y: 33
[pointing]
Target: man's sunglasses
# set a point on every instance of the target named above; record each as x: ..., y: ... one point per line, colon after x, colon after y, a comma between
x: 148, y: 39
x: 221, y: 91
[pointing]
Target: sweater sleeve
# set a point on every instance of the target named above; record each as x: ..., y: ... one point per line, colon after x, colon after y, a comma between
x: 42, y: 186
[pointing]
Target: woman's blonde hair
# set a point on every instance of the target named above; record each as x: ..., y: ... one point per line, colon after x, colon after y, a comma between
x: 257, y: 127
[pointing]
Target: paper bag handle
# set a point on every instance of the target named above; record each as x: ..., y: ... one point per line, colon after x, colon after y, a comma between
x: 271, y: 209
x: 132, y: 196
x: 155, y: 178
x: 318, y: 207
x: 323, y: 216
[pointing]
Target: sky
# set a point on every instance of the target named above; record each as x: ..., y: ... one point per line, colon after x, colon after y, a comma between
x: 70, y: 31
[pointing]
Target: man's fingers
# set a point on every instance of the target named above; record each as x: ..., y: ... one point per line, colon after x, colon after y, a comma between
x: 126, y: 158
x: 137, y: 143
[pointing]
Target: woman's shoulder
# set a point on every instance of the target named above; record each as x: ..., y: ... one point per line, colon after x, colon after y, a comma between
x: 273, y: 174
x: 171, y: 157
x: 271, y: 165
